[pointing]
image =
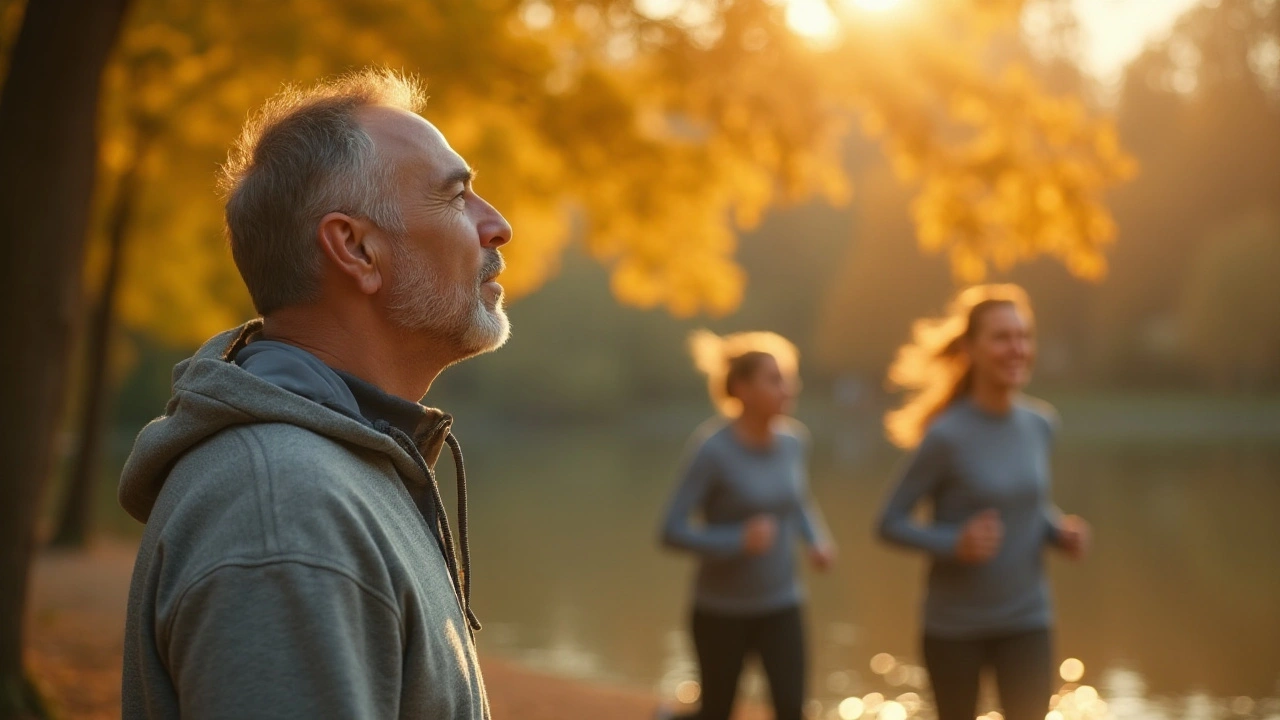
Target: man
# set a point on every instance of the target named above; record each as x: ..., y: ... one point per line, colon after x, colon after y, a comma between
x: 297, y: 560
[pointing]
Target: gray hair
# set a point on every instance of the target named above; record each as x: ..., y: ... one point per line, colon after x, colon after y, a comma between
x: 302, y: 156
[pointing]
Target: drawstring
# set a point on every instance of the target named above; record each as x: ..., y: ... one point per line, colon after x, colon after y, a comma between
x: 461, y: 577
x: 456, y: 450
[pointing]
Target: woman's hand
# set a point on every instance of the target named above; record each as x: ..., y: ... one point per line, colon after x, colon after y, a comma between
x: 981, y: 537
x: 759, y: 535
x: 823, y: 556
x: 1074, y: 536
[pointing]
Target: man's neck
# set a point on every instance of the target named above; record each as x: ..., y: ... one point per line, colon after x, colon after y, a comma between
x: 397, y: 362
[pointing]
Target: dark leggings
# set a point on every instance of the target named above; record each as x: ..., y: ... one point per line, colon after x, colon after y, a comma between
x: 1023, y: 665
x: 723, y: 643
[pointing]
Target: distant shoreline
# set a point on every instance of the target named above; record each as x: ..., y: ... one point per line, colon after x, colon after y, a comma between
x: 1089, y: 416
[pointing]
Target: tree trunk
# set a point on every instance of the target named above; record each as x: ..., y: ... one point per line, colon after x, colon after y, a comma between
x: 48, y: 112
x: 77, y: 505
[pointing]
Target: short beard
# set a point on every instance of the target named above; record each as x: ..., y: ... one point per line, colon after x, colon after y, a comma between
x: 461, y: 318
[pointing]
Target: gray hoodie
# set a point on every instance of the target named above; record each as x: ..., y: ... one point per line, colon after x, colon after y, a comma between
x: 286, y: 570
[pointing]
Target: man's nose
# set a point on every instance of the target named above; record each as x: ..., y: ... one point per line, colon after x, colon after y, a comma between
x: 495, y: 231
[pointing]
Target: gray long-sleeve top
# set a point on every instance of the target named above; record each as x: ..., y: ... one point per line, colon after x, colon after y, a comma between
x: 725, y: 483
x: 971, y: 460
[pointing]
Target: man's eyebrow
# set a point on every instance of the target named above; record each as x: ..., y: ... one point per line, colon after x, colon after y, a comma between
x: 463, y: 175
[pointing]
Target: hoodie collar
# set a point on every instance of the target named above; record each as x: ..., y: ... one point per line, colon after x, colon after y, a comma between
x: 212, y: 393
x: 299, y: 372
x: 375, y: 404
x: 302, y: 373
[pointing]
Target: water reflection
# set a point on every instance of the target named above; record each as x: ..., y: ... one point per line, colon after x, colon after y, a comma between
x: 851, y: 708
x: 1174, y: 616
x: 1124, y: 700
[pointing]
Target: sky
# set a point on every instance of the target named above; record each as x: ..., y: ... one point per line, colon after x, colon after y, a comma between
x: 1114, y: 31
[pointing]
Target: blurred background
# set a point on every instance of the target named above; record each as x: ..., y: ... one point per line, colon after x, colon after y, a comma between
x: 828, y: 170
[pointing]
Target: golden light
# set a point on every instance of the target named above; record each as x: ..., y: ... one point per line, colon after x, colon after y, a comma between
x: 899, y: 675
x: 688, y: 692
x: 814, y: 19
x: 850, y: 708
x: 1072, y: 670
x: 892, y: 711
x: 883, y: 663
x: 875, y: 5
x: 838, y: 681
x: 811, y: 18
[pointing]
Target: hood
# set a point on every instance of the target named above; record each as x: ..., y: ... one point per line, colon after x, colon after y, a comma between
x: 212, y: 393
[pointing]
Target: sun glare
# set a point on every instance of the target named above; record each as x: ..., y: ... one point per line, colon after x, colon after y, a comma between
x: 814, y: 19
x: 874, y: 5
x: 811, y: 18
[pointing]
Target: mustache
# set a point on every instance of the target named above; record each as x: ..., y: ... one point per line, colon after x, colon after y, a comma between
x: 493, y: 265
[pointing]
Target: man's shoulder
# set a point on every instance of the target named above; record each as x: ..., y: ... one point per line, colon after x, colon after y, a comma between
x: 273, y: 487
x: 276, y: 452
x: 261, y: 494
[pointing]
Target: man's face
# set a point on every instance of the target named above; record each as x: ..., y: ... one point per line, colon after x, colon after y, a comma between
x: 443, y: 270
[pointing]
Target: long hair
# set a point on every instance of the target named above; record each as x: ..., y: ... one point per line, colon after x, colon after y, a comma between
x: 933, y: 369
x: 728, y: 359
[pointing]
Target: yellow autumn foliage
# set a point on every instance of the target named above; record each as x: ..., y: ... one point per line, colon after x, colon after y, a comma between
x: 653, y: 132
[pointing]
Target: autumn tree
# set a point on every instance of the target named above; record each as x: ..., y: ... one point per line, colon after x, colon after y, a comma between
x: 47, y: 162
x: 659, y: 129
x: 155, y: 75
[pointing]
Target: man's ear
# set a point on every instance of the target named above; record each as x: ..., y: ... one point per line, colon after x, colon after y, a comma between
x: 352, y: 249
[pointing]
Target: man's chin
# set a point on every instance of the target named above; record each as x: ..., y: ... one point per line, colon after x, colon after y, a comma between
x: 500, y: 338
x: 489, y: 333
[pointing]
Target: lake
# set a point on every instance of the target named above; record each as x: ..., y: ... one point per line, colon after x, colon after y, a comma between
x: 1176, y: 613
